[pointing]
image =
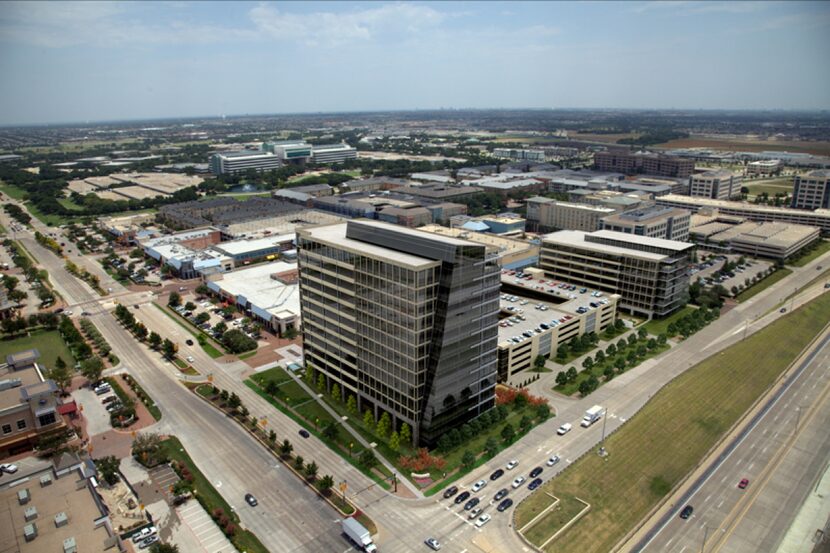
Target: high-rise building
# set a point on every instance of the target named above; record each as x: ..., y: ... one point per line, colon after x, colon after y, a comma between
x: 649, y: 273
x: 812, y: 191
x: 716, y: 185
x: 627, y: 162
x: 238, y: 162
x: 404, y: 320
x: 333, y: 153
x: 654, y: 221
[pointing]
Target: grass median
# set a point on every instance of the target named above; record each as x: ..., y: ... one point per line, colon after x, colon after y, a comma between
x: 673, y: 432
x: 759, y: 287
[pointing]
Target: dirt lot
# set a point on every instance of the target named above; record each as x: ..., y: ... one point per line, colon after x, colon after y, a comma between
x: 815, y: 148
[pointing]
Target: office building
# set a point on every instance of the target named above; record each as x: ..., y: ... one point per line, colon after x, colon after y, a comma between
x: 648, y: 273
x: 30, y: 404
x: 546, y: 215
x: 778, y: 241
x: 231, y: 163
x: 629, y: 163
x: 716, y: 185
x: 764, y: 167
x: 812, y: 191
x: 333, y: 153
x: 511, y: 253
x: 655, y: 221
x: 520, y: 155
x: 289, y: 151
x: 404, y: 320
x: 754, y: 212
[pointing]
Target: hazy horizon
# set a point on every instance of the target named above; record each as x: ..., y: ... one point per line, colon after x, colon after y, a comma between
x: 76, y: 62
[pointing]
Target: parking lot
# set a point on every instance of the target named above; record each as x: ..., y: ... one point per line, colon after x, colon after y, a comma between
x: 743, y: 274
x: 199, y: 524
x: 204, y: 305
x: 97, y: 418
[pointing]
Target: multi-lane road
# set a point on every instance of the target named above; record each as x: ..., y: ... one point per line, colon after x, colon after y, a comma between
x: 780, y: 452
x: 290, y: 517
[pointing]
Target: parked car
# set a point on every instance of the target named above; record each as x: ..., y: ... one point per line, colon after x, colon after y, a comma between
x: 190, y: 359
x: 497, y: 474
x: 518, y: 481
x: 460, y: 498
x: 109, y: 399
x: 144, y: 533
x: 535, y: 484
x: 478, y: 485
x: 474, y: 512
x: 553, y: 460
x: 471, y: 503
x: 482, y: 520
x: 451, y: 491
x: 512, y: 464
x: 500, y: 494
x: 536, y: 472
x: 8, y: 467
x: 149, y: 541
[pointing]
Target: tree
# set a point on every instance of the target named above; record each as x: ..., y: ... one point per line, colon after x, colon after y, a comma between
x: 468, y: 459
x: 326, y: 483
x: 311, y: 471
x: 92, y: 368
x: 331, y: 431
x: 600, y: 356
x: 237, y: 342
x: 491, y: 446
x: 299, y: 462
x: 444, y: 442
x: 406, y: 434
x: 611, y: 350
x: 54, y: 442
x: 220, y: 328
x: 561, y: 378
x: 394, y: 441
x: 584, y: 388
x: 108, y: 467
x: 17, y: 295
x: 662, y: 339
x: 632, y: 358
x: 367, y: 458
x: 588, y: 363
x: 286, y: 448
x: 335, y: 392
x: 321, y: 382
x: 60, y: 374
x: 174, y: 300
x: 351, y: 404
x: 155, y: 340
x: 190, y: 306
x: 272, y: 437
x: 542, y: 412
x: 383, y: 426
x: 148, y: 450
x: 539, y: 363
x: 651, y: 344
x: 201, y: 318
x: 140, y: 331
x: 10, y: 282
x: 619, y: 364
x: 164, y: 548
x: 234, y: 401
x: 271, y: 388
x: 571, y: 374
x: 508, y: 433
x: 525, y: 423
x: 562, y: 352
x: 368, y: 419
x: 169, y: 348
x: 619, y: 325
x: 202, y: 290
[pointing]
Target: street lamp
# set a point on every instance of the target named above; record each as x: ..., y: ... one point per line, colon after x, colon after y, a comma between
x: 602, y: 452
x: 705, y: 535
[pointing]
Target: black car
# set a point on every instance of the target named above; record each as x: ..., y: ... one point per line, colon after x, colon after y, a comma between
x: 536, y: 472
x: 451, y: 491
x: 497, y: 474
x: 304, y: 433
x: 504, y: 505
x: 686, y: 512
x: 500, y: 494
x: 250, y: 500
x: 535, y: 484
x: 189, y: 342
x: 462, y: 497
x: 471, y: 503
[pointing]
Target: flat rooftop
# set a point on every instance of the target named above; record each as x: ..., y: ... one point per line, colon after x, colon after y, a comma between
x: 61, y: 496
x: 419, y: 233
x: 697, y: 202
x: 778, y: 235
x: 336, y: 236
x: 11, y: 397
x: 237, y: 247
x: 576, y: 238
x: 260, y: 287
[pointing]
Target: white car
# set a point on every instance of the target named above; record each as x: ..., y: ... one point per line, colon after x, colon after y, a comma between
x: 564, y: 429
x: 477, y: 486
x: 190, y: 359
x: 433, y: 544
x: 474, y: 513
x: 482, y: 520
x: 512, y: 464
x: 144, y: 533
x: 8, y: 467
x: 518, y: 481
x: 553, y: 460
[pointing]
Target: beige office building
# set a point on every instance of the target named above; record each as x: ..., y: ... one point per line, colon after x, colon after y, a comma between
x: 812, y: 191
x: 546, y: 214
x: 654, y: 221
x: 717, y: 185
x: 648, y: 273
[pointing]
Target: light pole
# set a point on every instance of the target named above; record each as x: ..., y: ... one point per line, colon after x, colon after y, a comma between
x: 602, y: 451
x: 705, y: 535
x: 797, y: 417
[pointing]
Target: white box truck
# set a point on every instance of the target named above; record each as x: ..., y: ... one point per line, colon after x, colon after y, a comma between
x: 359, y: 535
x: 592, y: 415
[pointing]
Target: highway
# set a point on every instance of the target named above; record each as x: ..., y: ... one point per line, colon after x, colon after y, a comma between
x: 290, y: 517
x: 790, y: 426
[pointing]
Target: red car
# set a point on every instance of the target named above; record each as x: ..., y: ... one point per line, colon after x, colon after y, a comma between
x: 743, y: 484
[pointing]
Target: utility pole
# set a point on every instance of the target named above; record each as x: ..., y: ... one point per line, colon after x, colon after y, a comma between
x: 602, y: 452
x: 705, y: 535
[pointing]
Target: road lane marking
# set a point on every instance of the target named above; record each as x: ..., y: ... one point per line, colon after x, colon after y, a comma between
x: 719, y: 504
x: 707, y: 498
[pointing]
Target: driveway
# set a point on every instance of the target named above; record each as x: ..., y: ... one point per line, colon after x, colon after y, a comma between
x: 198, y: 528
x: 97, y: 418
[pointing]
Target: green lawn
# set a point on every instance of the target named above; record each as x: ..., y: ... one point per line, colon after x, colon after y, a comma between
x: 48, y: 343
x: 673, y: 432
x: 655, y: 327
x: 822, y: 248
x: 770, y: 186
x: 69, y: 204
x: 756, y: 289
x: 12, y: 191
x: 47, y: 219
x: 244, y: 540
x: 597, y: 370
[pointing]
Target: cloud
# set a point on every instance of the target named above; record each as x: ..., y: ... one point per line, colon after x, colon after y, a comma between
x: 332, y: 28
x: 684, y: 7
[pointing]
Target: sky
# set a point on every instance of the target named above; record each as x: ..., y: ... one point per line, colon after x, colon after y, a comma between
x: 99, y: 61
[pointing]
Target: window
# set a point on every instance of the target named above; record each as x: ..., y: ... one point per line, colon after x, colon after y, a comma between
x: 47, y: 419
x: 7, y: 429
x: 21, y: 424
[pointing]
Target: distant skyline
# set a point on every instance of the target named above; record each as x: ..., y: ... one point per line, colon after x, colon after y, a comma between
x: 102, y: 61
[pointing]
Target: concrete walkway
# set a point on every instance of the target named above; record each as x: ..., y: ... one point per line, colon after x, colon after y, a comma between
x: 814, y: 515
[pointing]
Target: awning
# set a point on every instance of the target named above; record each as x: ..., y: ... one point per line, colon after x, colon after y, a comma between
x: 67, y: 408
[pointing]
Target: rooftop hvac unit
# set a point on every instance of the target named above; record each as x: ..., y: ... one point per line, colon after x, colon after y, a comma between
x: 30, y: 531
x: 30, y: 514
x: 10, y: 383
x: 23, y: 496
x: 45, y: 480
x: 61, y: 520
